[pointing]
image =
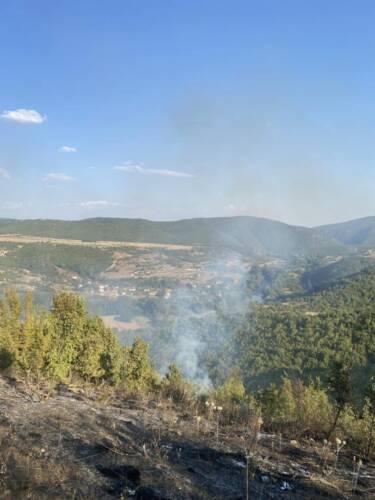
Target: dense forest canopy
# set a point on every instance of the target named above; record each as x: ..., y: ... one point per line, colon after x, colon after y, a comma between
x: 302, y: 337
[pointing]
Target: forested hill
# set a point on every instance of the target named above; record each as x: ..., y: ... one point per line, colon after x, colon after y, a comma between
x: 359, y: 232
x: 250, y: 235
x: 302, y: 337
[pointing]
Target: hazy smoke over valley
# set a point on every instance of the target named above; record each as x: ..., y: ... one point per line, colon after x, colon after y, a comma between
x: 198, y: 320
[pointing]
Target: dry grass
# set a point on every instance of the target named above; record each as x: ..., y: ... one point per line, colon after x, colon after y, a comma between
x: 95, y: 442
x: 21, y: 239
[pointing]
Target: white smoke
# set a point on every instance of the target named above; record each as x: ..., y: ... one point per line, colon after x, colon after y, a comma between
x: 201, y: 318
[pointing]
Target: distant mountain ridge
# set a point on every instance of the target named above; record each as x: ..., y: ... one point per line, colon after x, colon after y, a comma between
x: 250, y: 235
x: 357, y: 232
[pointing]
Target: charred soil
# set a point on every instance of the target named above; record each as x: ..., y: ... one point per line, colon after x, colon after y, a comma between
x: 83, y: 443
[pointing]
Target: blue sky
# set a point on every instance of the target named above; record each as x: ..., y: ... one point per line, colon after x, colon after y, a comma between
x: 168, y: 109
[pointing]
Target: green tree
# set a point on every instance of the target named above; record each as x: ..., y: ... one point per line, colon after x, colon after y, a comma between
x: 232, y: 391
x: 36, y: 347
x: 68, y: 317
x: 174, y: 385
x: 88, y: 362
x: 111, y: 357
x: 370, y: 403
x: 137, y: 371
x: 340, y: 386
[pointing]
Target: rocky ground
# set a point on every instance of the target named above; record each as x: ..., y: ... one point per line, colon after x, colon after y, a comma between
x: 85, y: 443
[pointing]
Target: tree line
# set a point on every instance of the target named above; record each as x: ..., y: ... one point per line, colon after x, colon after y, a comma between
x: 66, y: 342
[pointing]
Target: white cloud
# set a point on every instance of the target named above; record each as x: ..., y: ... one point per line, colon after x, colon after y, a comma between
x: 23, y: 116
x: 4, y: 173
x: 131, y: 167
x: 168, y: 173
x: 91, y: 204
x: 67, y: 149
x: 11, y: 205
x: 58, y: 177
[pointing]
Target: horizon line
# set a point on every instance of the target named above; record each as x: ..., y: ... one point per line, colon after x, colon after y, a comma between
x: 42, y: 219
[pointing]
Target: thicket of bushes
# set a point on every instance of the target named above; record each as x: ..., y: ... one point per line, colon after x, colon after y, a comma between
x: 305, y: 410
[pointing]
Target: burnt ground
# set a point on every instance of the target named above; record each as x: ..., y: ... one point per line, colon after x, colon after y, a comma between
x: 83, y: 444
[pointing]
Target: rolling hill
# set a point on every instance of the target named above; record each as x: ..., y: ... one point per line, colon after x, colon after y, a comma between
x: 357, y: 233
x: 248, y: 235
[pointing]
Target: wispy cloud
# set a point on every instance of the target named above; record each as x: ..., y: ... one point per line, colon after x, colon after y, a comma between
x: 138, y: 168
x: 4, y: 173
x: 11, y: 205
x: 67, y: 149
x: 92, y: 204
x: 23, y: 116
x: 58, y: 177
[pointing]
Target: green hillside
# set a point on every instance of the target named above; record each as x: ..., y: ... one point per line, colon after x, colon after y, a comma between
x: 46, y: 260
x: 359, y: 232
x: 248, y: 235
x: 323, y: 275
x: 302, y: 337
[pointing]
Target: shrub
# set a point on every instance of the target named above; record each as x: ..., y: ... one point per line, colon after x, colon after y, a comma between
x: 296, y: 408
x: 238, y: 406
x: 175, y: 387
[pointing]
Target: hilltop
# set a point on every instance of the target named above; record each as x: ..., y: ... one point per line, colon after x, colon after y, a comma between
x: 358, y: 232
x: 84, y: 443
x: 84, y: 417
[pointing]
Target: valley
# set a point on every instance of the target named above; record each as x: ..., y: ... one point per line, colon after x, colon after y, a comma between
x: 251, y: 333
x: 186, y: 297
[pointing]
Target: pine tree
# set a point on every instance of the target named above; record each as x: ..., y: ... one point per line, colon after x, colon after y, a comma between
x: 37, y: 344
x: 340, y: 387
x: 137, y: 371
x: 111, y: 358
x: 370, y: 400
x: 68, y: 319
x: 88, y: 362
